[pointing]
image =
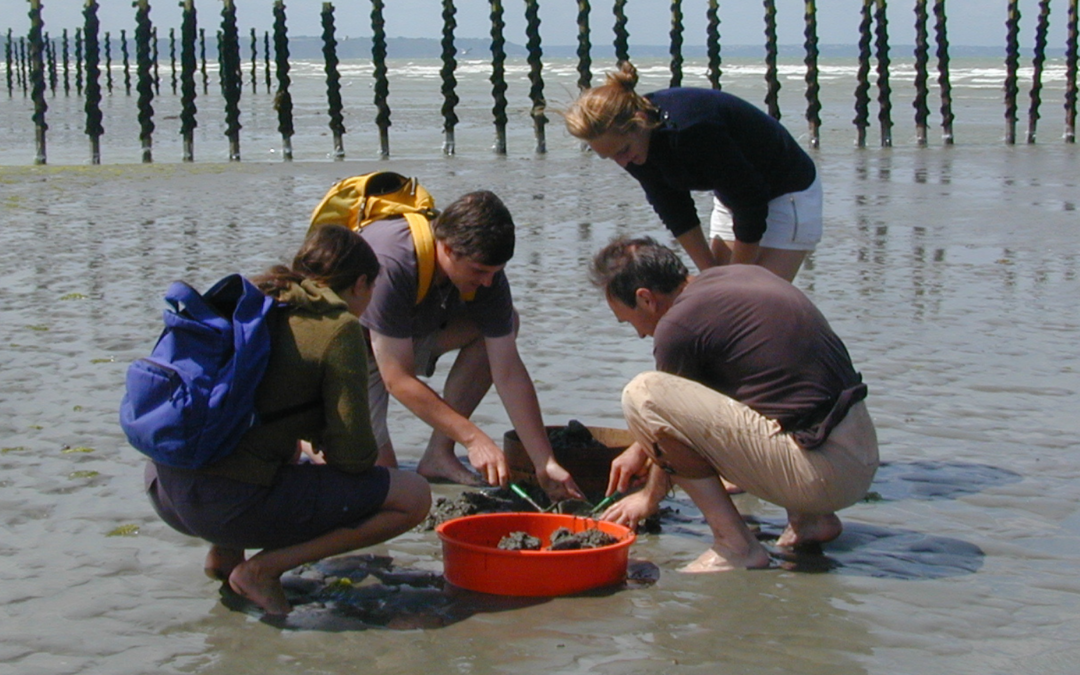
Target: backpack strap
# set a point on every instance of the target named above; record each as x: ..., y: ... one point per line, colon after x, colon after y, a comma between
x: 424, y: 243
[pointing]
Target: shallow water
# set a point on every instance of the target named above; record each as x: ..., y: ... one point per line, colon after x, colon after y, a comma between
x: 951, y: 273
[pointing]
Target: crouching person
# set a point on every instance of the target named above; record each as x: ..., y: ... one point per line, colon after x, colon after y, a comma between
x: 260, y: 497
x: 751, y: 386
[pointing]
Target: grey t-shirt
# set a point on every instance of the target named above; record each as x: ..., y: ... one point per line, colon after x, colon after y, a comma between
x: 393, y: 311
x: 747, y: 333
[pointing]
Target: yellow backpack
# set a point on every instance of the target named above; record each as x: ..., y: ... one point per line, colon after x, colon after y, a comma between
x: 361, y: 200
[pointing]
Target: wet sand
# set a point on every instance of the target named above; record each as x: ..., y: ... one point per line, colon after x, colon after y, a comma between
x: 951, y: 273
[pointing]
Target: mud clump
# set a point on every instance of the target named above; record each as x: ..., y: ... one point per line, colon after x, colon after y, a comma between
x: 469, y: 504
x: 519, y: 541
x: 563, y: 539
x: 574, y: 436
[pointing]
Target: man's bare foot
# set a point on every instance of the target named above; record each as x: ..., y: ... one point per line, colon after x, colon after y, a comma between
x: 221, y: 561
x: 806, y: 529
x: 265, y: 591
x: 451, y: 470
x: 713, y: 560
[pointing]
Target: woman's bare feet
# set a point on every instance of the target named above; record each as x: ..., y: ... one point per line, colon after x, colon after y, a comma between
x: 718, y: 560
x: 804, y: 529
x: 221, y: 561
x: 262, y: 589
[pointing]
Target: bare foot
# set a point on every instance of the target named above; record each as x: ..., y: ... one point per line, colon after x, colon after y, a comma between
x: 221, y: 561
x: 265, y: 591
x: 713, y: 560
x: 732, y: 488
x: 806, y: 529
x: 449, y: 470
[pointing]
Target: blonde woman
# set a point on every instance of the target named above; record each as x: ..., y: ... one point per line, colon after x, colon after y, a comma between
x: 767, y: 198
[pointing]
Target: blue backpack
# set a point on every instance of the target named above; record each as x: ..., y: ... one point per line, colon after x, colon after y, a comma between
x: 190, y: 401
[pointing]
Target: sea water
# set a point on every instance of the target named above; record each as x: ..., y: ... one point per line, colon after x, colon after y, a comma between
x: 950, y: 272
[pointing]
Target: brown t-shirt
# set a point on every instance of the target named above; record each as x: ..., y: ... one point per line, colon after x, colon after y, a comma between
x: 752, y: 336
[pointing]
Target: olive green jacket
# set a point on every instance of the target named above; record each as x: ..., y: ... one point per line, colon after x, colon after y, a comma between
x: 317, y: 353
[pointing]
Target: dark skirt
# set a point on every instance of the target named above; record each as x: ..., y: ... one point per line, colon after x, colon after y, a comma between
x: 305, y: 501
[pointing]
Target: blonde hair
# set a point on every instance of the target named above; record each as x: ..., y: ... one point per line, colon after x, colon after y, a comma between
x: 612, y: 106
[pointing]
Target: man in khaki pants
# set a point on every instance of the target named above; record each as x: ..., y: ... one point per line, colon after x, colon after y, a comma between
x: 751, y: 385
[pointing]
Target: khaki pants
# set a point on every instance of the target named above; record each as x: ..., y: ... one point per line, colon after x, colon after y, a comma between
x: 750, y: 450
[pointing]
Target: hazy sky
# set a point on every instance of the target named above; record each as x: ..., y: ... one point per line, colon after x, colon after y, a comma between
x: 971, y: 22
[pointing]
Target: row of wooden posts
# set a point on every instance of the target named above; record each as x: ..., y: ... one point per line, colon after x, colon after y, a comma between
x: 34, y: 66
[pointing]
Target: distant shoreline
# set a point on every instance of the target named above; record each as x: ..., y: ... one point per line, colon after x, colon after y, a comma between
x: 311, y: 47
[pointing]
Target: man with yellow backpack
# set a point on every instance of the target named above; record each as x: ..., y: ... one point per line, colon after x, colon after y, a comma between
x: 442, y: 288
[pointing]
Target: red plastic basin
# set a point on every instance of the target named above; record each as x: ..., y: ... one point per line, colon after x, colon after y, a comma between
x: 472, y: 559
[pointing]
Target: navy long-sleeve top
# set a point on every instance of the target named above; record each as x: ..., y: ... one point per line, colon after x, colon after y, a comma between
x: 712, y: 140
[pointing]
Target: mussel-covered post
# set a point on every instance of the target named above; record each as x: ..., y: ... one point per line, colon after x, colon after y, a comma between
x: 884, y: 90
x: 712, y: 42
x: 266, y: 59
x: 382, y: 83
x: 231, y: 85
x: 283, y: 99
x: 202, y: 62
x: 108, y: 62
x: 1037, y: 65
x: 922, y: 76
x: 813, y: 89
x: 254, y: 62
x: 144, y: 79
x: 1012, y: 65
x: 862, y: 76
x: 94, y: 128
x: 187, y: 80
x: 333, y: 81
x: 772, y: 79
x: 536, y: 76
x: 154, y: 59
x: 584, y: 47
x: 50, y: 57
x: 449, y: 82
x: 622, y: 36
x: 172, y: 60
x: 37, y: 78
x: 498, y: 75
x: 676, y: 35
x: 67, y: 66
x: 7, y: 62
x: 127, y: 62
x: 1071, y: 54
x: 78, y: 61
x: 942, y: 39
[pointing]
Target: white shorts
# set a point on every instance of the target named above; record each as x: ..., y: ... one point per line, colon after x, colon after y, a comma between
x: 794, y: 222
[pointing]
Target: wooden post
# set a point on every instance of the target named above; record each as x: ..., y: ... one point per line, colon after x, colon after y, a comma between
x: 333, y: 81
x: 94, y: 129
x: 449, y: 81
x: 283, y: 99
x: 1012, y: 64
x: 144, y: 80
x: 498, y: 75
x: 36, y: 76
x: 813, y: 89
x: 188, y: 109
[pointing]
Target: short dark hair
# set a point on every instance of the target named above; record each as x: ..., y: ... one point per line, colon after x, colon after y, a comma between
x: 626, y: 264
x: 479, y: 227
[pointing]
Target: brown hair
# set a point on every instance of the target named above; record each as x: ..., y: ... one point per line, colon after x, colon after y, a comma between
x: 332, y: 256
x: 479, y: 227
x: 626, y: 264
x: 612, y: 106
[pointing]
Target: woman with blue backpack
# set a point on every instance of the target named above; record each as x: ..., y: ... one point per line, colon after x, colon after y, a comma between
x: 261, y: 496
